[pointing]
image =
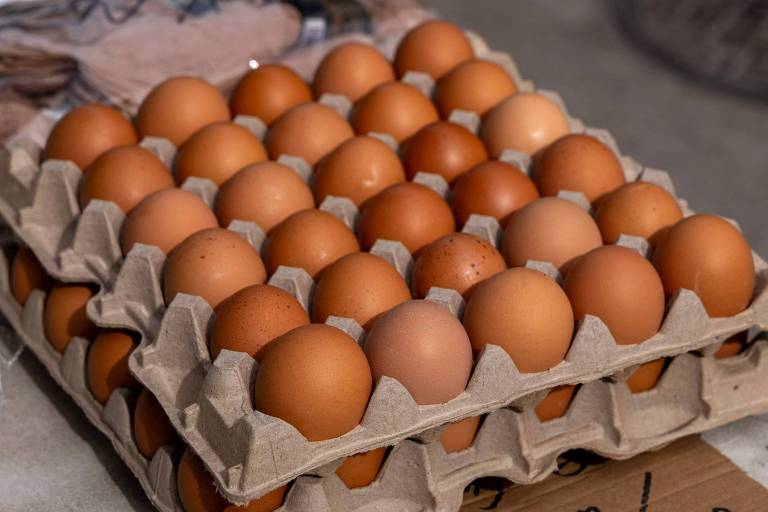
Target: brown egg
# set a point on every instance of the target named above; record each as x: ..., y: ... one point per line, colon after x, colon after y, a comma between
x: 621, y: 288
x: 151, y: 427
x: 491, y: 188
x: 213, y: 264
x: 310, y: 130
x: 265, y: 193
x: 198, y: 493
x: 252, y: 317
x: 361, y: 469
x: 27, y: 274
x: 646, y: 376
x: 358, y: 169
x: 268, y: 92
x: 443, y: 148
x: 458, y: 436
x: 706, y: 254
x: 64, y: 316
x: 309, y: 239
x: 458, y: 261
x: 732, y: 346
x: 351, y: 69
x: 638, y: 209
x: 524, y: 122
x: 217, y: 152
x: 424, y: 347
x: 164, y: 219
x: 107, y: 366
x: 549, y: 229
x: 393, y: 108
x: 409, y: 212
x: 475, y: 85
x: 86, y: 132
x: 578, y: 163
x: 555, y: 404
x: 434, y: 47
x: 178, y: 107
x: 525, y: 313
x: 316, y: 378
x: 360, y: 286
x: 124, y: 175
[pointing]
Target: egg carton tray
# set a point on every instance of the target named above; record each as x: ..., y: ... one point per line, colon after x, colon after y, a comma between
x: 156, y: 476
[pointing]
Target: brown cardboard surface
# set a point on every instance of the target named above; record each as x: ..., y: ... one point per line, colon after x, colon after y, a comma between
x: 688, y: 475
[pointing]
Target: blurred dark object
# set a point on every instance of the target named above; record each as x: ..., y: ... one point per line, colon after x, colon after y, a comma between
x: 323, y: 19
x: 724, y: 42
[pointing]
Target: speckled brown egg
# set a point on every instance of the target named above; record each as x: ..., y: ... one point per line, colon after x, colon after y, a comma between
x: 252, y: 317
x: 316, y: 378
x: 351, y: 69
x: 433, y: 47
x: 443, y: 148
x: 458, y: 261
x: 525, y: 313
x: 218, y: 151
x: 360, y: 470
x: 525, y: 122
x: 309, y: 239
x: 164, y: 219
x: 549, y: 229
x: 27, y: 274
x: 578, y: 163
x: 424, y: 347
x: 706, y: 254
x: 212, y: 264
x: 646, y: 376
x: 268, y: 92
x: 492, y: 188
x: 178, y: 107
x: 309, y: 130
x: 475, y: 85
x: 124, y: 175
x: 458, y: 436
x: 358, y: 169
x: 151, y: 427
x: 555, y: 404
x: 408, y: 212
x: 619, y: 286
x: 107, y: 365
x: 86, y: 132
x: 638, y: 209
x: 64, y: 315
x: 360, y: 286
x: 393, y: 108
x: 265, y: 193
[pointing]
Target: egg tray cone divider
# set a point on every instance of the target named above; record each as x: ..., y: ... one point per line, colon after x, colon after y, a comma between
x: 157, y: 476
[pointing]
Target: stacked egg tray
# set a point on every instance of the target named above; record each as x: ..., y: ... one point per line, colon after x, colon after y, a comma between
x: 249, y: 453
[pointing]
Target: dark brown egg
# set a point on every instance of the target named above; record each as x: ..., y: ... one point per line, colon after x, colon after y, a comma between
x: 27, y: 274
x: 732, y: 346
x: 408, y: 212
x: 458, y: 261
x: 178, y: 107
x: 268, y: 92
x: 474, y: 86
x: 393, y: 108
x: 310, y: 130
x: 351, y: 69
x: 361, y: 469
x: 458, y: 436
x: 443, y: 148
x: 358, y: 169
x: 252, y: 317
x: 492, y: 188
x: 434, y: 47
x: 64, y: 316
x: 218, y: 151
x: 86, y: 132
x: 164, y: 219
x: 578, y: 163
x: 151, y: 427
x: 646, y: 376
x: 124, y: 175
x: 555, y: 404
x: 107, y: 367
x: 706, y: 254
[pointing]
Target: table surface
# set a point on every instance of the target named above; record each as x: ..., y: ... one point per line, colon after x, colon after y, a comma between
x: 712, y: 143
